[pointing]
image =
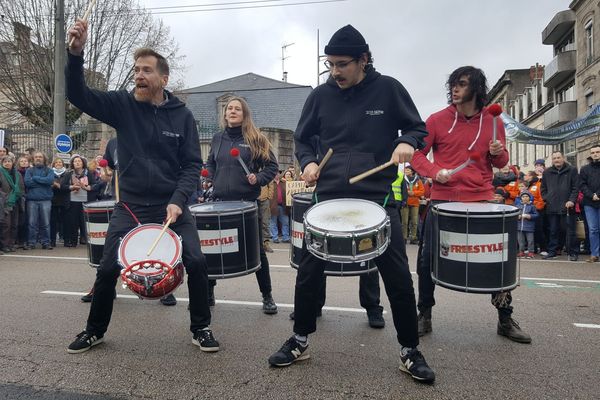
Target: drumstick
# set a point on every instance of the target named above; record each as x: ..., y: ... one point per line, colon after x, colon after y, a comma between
x: 370, y: 172
x: 324, y: 160
x: 162, y: 232
x: 495, y: 110
x: 88, y: 11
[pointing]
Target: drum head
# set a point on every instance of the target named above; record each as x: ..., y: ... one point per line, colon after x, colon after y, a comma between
x: 345, y: 215
x: 476, y: 208
x: 135, y: 245
x: 102, y: 204
x: 222, y: 207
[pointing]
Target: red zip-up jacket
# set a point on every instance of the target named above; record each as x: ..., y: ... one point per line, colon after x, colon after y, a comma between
x: 451, y: 137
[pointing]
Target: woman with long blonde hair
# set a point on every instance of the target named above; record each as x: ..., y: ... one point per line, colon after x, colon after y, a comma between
x: 232, y: 183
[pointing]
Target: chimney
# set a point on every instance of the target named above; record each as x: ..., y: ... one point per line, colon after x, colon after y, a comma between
x: 536, y: 72
x: 284, y: 76
x: 22, y: 35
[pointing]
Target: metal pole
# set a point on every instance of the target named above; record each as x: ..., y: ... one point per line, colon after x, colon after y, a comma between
x: 59, y: 66
x: 318, y: 58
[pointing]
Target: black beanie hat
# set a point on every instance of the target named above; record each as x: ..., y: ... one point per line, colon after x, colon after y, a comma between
x: 347, y: 41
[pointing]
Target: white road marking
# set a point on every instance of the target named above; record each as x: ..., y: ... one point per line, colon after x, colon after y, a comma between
x: 287, y: 266
x: 234, y: 302
x: 592, y: 326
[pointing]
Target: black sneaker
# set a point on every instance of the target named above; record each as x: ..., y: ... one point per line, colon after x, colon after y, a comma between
x: 87, y: 298
x: 84, y: 342
x: 168, y: 300
x: 47, y: 247
x: 549, y: 256
x: 415, y: 365
x: 269, y: 306
x: 376, y: 319
x: 204, y: 339
x: 290, y: 352
x: 573, y: 257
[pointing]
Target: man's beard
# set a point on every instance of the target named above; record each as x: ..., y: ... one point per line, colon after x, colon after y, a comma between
x: 146, y: 94
x: 469, y: 95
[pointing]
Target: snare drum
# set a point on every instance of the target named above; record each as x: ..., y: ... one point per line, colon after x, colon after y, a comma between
x: 300, y: 203
x: 158, y: 274
x: 228, y: 232
x: 346, y: 230
x: 474, y: 247
x: 97, y: 216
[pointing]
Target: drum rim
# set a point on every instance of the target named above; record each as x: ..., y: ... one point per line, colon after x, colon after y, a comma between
x: 471, y: 289
x: 91, y: 205
x: 248, y: 206
x: 346, y: 199
x: 476, y: 213
x: 172, y: 234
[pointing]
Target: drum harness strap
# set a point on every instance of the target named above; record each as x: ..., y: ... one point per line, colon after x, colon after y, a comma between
x: 131, y: 212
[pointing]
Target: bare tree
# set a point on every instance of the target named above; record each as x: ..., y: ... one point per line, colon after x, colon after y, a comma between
x: 117, y: 28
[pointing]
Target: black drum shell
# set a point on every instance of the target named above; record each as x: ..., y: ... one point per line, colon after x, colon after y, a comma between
x: 97, y: 212
x: 476, y: 277
x: 232, y: 215
x: 301, y: 202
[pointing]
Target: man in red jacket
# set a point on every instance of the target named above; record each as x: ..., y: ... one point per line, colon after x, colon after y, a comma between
x: 455, y: 134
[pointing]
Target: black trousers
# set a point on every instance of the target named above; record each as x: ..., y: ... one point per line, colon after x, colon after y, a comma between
x: 74, y: 224
x: 368, y: 292
x: 393, y: 267
x: 108, y: 271
x: 501, y: 300
x: 263, y: 275
x: 562, y: 233
x: 57, y: 223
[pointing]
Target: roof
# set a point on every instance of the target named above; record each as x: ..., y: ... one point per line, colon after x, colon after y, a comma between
x: 274, y: 104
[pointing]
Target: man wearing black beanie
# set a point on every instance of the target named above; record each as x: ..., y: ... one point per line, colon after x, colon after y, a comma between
x: 358, y: 113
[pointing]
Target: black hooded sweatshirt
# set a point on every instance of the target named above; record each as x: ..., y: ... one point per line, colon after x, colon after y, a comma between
x: 362, y: 125
x: 589, y: 183
x: 227, y: 174
x: 158, y: 146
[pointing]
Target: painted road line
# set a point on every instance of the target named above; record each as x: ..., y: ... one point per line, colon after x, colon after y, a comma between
x: 591, y: 326
x: 233, y: 302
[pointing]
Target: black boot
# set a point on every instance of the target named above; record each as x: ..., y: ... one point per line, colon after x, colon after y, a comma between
x: 508, y: 327
x: 424, y: 321
x: 269, y: 306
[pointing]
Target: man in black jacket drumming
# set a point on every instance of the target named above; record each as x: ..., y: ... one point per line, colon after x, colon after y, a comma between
x: 560, y: 189
x: 358, y: 113
x: 159, y: 160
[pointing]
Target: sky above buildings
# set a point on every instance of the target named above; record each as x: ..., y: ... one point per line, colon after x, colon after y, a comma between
x: 418, y: 42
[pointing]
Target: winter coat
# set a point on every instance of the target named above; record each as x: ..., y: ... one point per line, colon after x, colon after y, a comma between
x: 417, y: 188
x: 527, y: 225
x: 38, y: 181
x: 273, y: 201
x: 558, y: 187
x: 589, y: 183
x: 226, y: 172
x: 453, y: 138
x: 535, y: 188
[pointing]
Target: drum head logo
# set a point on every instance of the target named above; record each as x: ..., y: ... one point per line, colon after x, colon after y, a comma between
x: 444, y: 249
x: 478, y: 248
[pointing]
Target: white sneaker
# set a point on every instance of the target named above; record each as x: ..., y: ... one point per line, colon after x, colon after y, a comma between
x: 544, y: 253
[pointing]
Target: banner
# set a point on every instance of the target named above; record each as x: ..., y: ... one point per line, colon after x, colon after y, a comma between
x: 587, y: 124
x: 293, y: 187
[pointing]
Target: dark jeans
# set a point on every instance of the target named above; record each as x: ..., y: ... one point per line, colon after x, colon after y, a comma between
x: 263, y: 275
x: 72, y: 223
x: 368, y: 292
x: 540, y: 237
x: 393, y: 267
x: 9, y: 228
x: 38, y: 212
x: 57, y: 223
x: 562, y: 226
x: 108, y: 271
x: 501, y: 300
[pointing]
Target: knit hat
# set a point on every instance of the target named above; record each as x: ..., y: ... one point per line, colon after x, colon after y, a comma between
x: 526, y: 193
x: 540, y: 162
x: 347, y: 41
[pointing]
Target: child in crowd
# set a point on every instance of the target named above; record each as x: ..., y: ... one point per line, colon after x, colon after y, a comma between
x: 526, y: 226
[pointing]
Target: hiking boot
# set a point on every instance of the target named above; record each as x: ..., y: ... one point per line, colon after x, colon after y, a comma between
x: 290, y: 352
x: 84, y: 342
x: 508, y: 327
x: 414, y: 364
x: 168, y: 300
x: 204, y: 339
x: 267, y: 246
x: 376, y: 319
x: 424, y: 322
x: 269, y: 306
x: 592, y: 259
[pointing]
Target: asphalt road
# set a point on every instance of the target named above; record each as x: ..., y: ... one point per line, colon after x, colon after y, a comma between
x: 148, y: 352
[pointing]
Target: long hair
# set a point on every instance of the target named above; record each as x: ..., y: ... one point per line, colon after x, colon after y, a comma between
x: 477, y: 84
x: 259, y: 144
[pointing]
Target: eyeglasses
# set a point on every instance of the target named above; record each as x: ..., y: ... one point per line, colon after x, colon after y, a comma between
x: 339, y: 65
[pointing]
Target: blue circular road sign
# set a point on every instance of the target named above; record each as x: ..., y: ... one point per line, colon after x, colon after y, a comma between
x: 63, y: 143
